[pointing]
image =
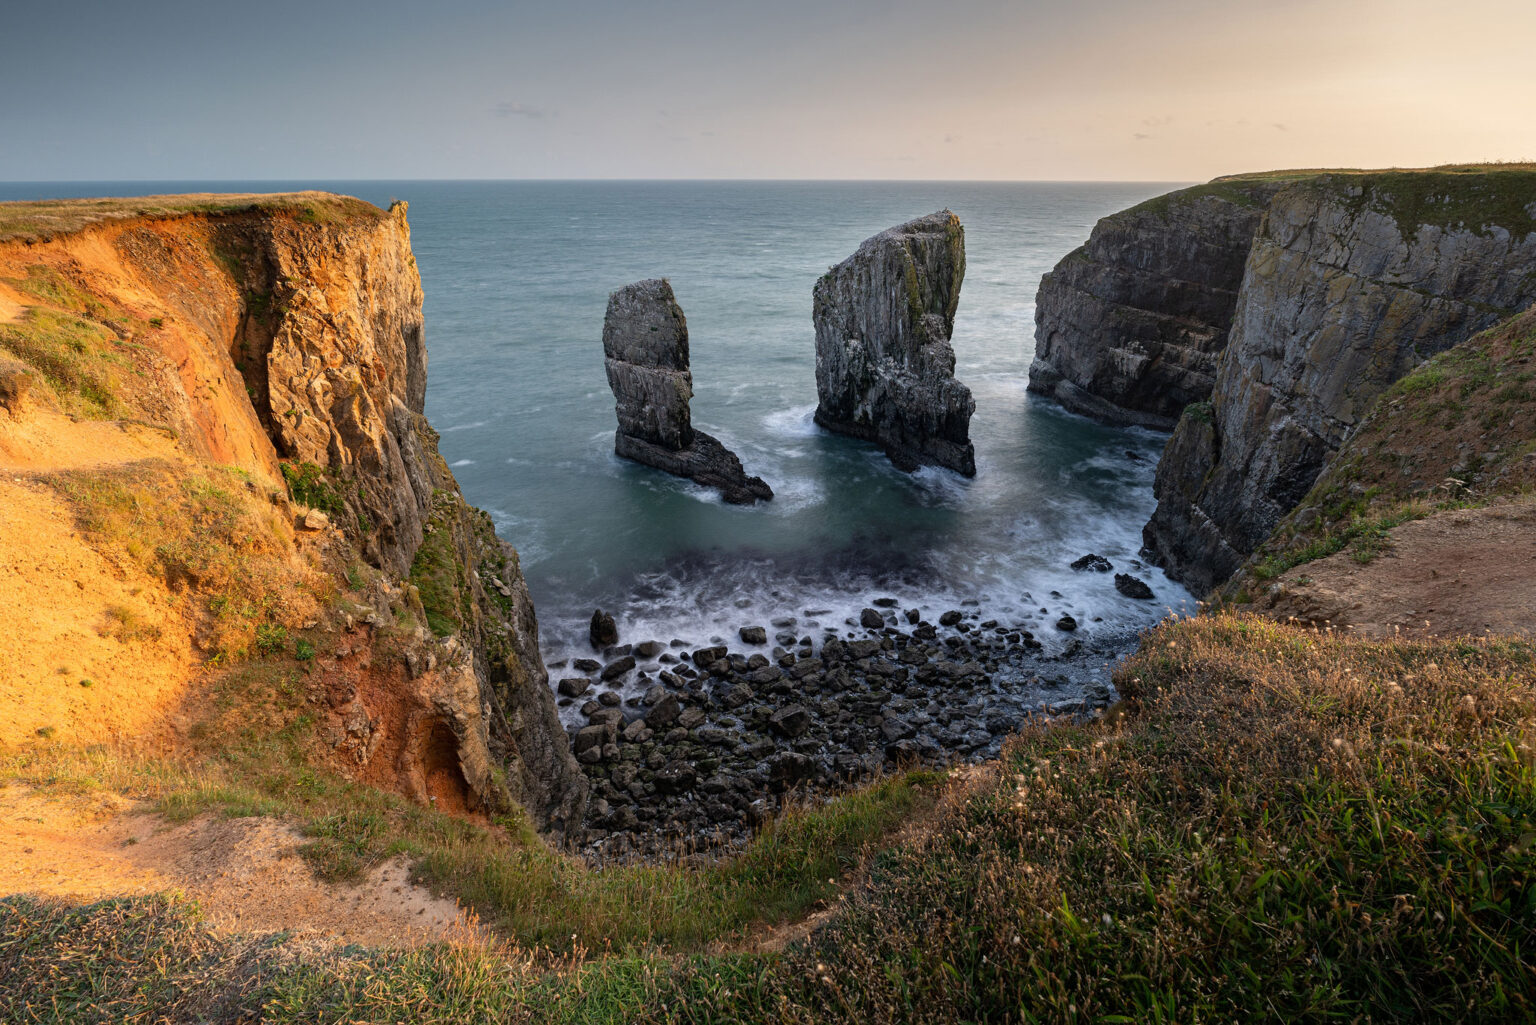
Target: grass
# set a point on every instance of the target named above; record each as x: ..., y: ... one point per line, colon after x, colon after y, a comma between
x: 205, y: 533
x: 1290, y: 825
x: 76, y: 357
x: 45, y: 219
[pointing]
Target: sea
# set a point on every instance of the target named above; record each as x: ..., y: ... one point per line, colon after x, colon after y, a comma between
x: 517, y: 276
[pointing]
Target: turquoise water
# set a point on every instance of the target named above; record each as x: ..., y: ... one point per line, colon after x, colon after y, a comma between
x: 517, y: 276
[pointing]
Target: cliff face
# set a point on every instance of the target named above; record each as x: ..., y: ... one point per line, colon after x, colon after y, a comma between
x: 283, y: 336
x: 1129, y: 326
x: 885, y: 370
x: 1351, y: 282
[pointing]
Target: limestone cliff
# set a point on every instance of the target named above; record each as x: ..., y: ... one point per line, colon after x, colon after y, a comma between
x: 1352, y: 281
x: 885, y: 370
x: 1271, y: 310
x: 282, y: 336
x: 1128, y: 326
x: 645, y: 350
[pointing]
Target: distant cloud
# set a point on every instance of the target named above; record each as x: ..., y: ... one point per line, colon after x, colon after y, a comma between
x: 1158, y: 122
x: 1138, y: 136
x: 505, y: 109
x: 1283, y: 128
x: 951, y: 137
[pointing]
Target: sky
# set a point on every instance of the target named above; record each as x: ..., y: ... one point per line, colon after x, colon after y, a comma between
x: 1128, y: 90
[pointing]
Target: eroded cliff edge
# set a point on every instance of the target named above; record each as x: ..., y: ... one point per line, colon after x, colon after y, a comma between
x: 1350, y: 280
x: 281, y: 339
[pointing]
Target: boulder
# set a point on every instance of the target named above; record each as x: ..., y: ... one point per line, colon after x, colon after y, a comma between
x: 1132, y: 587
x: 645, y: 346
x: 1096, y: 563
x: 885, y: 369
x: 603, y: 631
x: 791, y: 720
x: 753, y: 635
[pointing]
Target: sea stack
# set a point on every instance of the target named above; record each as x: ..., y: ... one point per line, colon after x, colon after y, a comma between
x: 885, y: 370
x: 645, y: 342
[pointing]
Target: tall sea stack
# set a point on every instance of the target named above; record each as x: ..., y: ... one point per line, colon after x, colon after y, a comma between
x: 645, y: 345
x: 885, y: 370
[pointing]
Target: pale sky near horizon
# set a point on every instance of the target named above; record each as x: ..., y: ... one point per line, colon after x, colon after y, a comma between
x: 1156, y: 90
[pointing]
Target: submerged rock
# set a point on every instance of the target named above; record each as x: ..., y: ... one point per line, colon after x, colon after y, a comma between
x: 1097, y: 563
x: 885, y: 370
x: 645, y: 345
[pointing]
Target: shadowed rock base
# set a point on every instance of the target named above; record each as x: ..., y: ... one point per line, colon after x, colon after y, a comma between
x: 705, y: 461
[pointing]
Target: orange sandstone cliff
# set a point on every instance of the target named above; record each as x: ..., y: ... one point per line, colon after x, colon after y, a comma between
x: 213, y: 453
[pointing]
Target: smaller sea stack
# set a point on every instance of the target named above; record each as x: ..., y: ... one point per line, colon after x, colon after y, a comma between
x: 885, y: 370
x: 645, y: 345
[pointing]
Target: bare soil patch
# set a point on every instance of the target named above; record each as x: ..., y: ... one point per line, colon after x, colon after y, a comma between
x: 246, y: 874
x: 1456, y: 573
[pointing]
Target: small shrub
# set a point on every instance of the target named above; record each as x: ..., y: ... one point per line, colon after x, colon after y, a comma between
x: 308, y: 486
x: 271, y: 638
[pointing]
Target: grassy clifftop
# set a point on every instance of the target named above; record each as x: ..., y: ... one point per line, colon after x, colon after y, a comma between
x: 46, y: 219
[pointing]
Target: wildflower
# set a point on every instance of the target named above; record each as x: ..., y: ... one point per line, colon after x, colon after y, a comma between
x: 1108, y: 921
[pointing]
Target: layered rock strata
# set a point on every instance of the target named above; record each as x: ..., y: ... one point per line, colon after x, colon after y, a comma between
x: 885, y: 369
x: 1129, y: 326
x: 1352, y: 281
x: 645, y: 349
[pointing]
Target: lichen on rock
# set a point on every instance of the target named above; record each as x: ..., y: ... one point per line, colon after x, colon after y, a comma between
x: 885, y: 369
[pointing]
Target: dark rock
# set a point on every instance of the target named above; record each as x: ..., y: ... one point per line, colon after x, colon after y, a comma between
x: 1131, y: 587
x: 592, y: 736
x: 1066, y: 623
x: 616, y: 669
x: 950, y: 618
x: 610, y: 699
x: 869, y: 619
x: 587, y: 665
x: 675, y: 777
x: 664, y: 712
x: 603, y: 631
x: 753, y: 635
x: 645, y: 346
x: 884, y: 364
x: 574, y: 686
x: 791, y: 720
x: 1096, y: 563
x: 705, y: 657
x: 648, y: 649
x: 886, y: 603
x: 913, y: 616
x: 790, y: 767
x: 735, y: 696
